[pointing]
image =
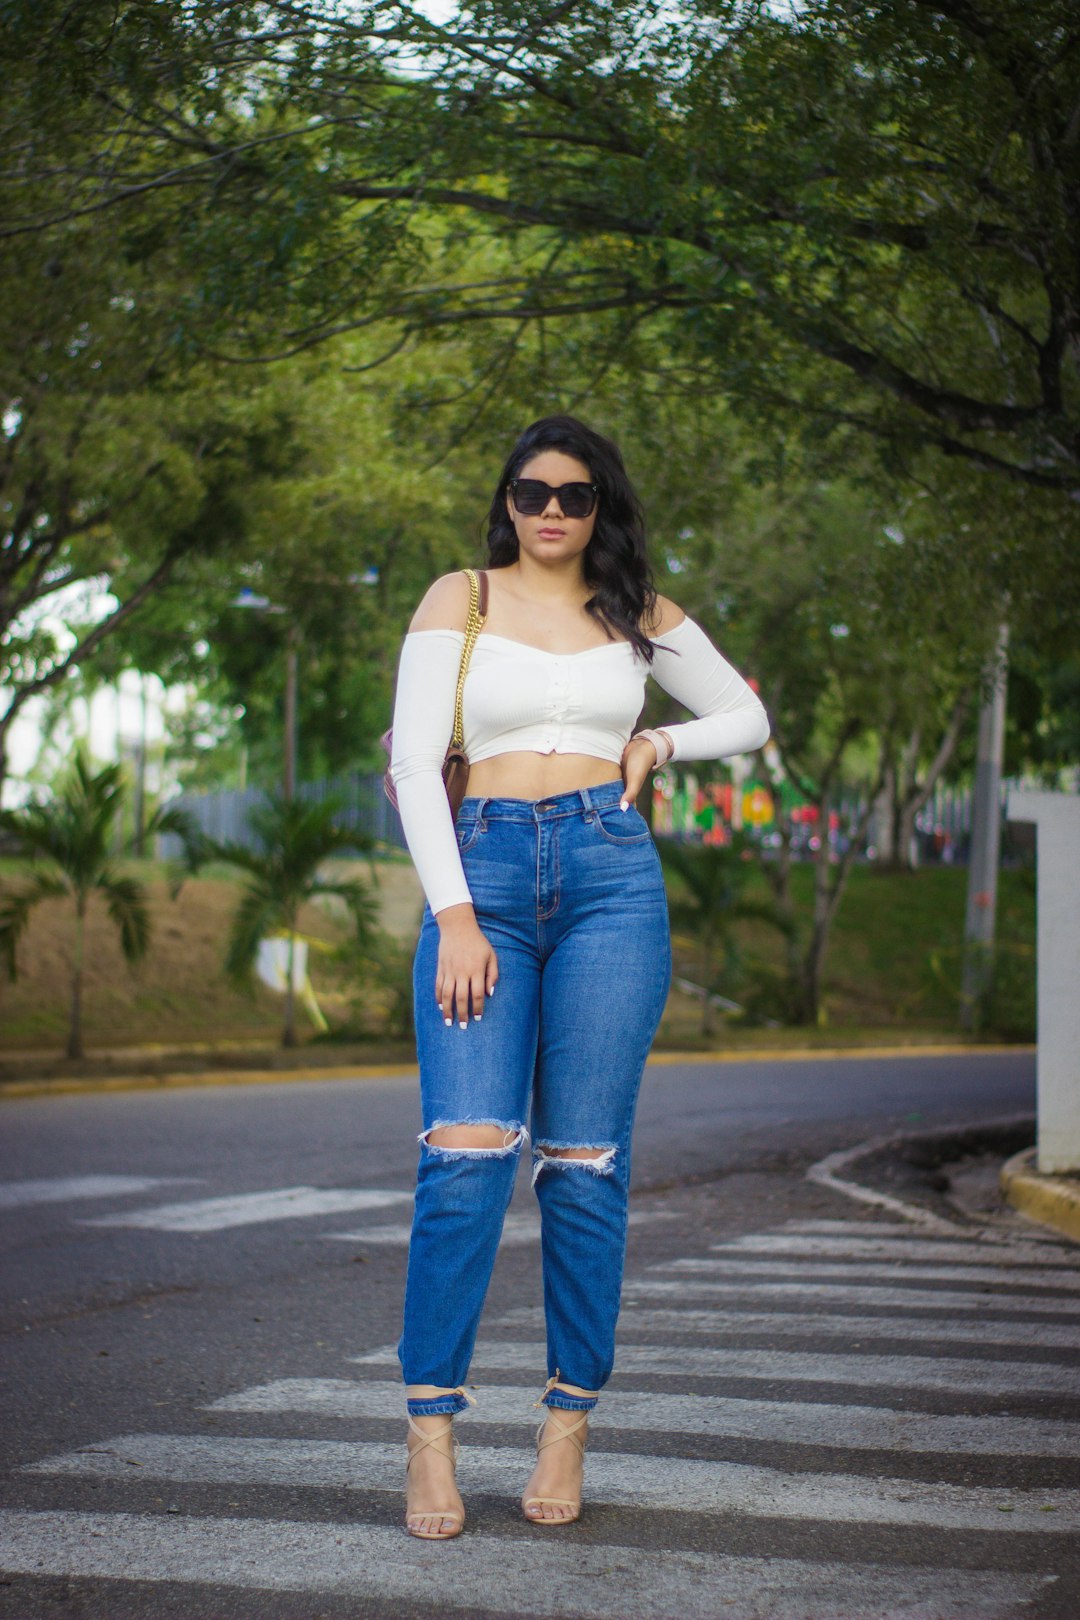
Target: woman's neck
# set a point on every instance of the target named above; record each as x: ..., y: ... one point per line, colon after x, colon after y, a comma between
x: 560, y: 586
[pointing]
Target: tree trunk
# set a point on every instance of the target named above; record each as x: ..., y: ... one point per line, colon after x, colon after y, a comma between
x: 830, y: 881
x: 981, y: 911
x: 139, y: 808
x: 288, y: 1037
x: 708, y: 1011
x: 908, y: 848
x: 909, y: 794
x: 75, y: 1040
x: 778, y: 876
x: 5, y: 727
x: 812, y: 967
x: 885, y: 818
x: 810, y: 976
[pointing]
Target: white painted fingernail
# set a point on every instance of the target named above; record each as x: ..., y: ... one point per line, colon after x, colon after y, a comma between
x: 491, y: 990
x: 477, y: 1017
x: 463, y: 1023
x: 448, y: 1022
x: 623, y: 805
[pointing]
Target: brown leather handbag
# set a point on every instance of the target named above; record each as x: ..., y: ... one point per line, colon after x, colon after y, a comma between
x: 455, y: 771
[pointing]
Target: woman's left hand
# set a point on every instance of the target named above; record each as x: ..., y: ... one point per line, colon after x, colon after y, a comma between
x: 638, y: 762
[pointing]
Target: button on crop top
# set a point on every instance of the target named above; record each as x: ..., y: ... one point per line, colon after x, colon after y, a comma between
x: 521, y: 698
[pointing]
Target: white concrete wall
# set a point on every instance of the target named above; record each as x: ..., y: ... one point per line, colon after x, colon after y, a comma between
x: 1057, y: 820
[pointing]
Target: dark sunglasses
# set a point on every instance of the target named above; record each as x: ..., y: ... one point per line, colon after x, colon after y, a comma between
x: 531, y: 496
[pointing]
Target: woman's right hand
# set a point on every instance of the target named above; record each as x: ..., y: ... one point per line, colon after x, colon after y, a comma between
x: 468, y: 966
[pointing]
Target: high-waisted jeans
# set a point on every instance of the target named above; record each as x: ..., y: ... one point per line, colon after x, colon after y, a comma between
x: 569, y: 892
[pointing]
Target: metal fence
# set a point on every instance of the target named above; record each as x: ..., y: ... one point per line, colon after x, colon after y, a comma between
x: 224, y: 816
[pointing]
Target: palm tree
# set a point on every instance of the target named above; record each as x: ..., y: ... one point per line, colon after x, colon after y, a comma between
x: 73, y: 833
x: 296, y: 838
x: 713, y: 878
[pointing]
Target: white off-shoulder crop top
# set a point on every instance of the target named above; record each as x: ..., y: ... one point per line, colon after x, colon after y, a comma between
x: 520, y: 697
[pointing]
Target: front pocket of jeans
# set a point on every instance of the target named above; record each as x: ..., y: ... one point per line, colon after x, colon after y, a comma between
x: 622, y: 826
x: 467, y: 832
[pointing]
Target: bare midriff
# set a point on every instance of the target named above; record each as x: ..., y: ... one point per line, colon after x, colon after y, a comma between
x: 525, y: 775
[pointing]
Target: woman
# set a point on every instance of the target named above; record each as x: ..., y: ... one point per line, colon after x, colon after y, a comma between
x: 546, y: 919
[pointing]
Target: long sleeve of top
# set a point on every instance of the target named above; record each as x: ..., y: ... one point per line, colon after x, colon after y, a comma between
x: 731, y: 717
x: 523, y: 698
x: 423, y: 723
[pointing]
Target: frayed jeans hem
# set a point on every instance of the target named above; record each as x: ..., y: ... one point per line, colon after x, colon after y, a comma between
x: 436, y: 1406
x: 569, y: 1403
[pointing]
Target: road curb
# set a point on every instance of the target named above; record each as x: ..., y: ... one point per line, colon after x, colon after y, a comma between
x: 85, y: 1085
x: 1050, y: 1200
x: 935, y: 1141
x: 216, y: 1077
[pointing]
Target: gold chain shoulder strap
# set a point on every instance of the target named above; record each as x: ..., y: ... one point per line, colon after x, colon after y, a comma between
x: 472, y: 630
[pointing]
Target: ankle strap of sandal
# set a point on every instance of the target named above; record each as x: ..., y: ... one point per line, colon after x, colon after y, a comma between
x: 568, y: 1432
x: 431, y: 1437
x: 555, y: 1382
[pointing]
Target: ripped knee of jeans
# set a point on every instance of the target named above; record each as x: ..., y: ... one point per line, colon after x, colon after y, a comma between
x: 474, y: 1138
x: 596, y: 1160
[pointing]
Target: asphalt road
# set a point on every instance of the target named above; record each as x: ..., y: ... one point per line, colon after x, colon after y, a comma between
x: 820, y: 1410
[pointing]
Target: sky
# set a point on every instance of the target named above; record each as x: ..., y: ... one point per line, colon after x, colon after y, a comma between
x: 111, y: 720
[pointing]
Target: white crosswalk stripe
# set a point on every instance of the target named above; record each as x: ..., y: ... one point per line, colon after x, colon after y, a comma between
x: 251, y: 1209
x: 819, y: 1227
x: 862, y: 1294
x: 367, y: 1561
x: 928, y: 1317
x: 861, y: 1428
x: 516, y: 1229
x: 751, y: 1266
x: 801, y: 1247
x: 630, y: 1480
x: 726, y: 1323
x: 798, y: 1367
x: 61, y: 1189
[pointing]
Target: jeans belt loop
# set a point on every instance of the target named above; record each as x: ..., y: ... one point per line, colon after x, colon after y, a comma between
x: 586, y: 799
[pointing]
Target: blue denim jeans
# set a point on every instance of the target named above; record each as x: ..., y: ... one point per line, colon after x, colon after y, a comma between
x: 570, y: 893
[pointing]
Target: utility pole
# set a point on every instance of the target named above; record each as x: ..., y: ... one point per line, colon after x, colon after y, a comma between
x: 979, y: 921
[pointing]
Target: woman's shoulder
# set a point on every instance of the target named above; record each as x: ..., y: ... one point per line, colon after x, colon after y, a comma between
x: 445, y: 604
x: 666, y: 615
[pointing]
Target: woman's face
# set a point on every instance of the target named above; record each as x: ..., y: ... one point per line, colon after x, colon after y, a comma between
x: 551, y: 536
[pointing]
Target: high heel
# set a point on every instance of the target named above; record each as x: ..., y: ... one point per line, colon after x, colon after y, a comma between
x: 454, y: 1514
x: 566, y: 1432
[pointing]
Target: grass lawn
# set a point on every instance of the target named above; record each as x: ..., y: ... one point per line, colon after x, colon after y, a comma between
x: 893, y: 966
x: 892, y: 974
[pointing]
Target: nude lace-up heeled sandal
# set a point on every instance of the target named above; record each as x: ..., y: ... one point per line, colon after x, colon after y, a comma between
x: 433, y: 1439
x: 567, y: 1431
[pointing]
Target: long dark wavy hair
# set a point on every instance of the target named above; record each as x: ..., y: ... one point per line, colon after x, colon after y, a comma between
x: 615, y: 560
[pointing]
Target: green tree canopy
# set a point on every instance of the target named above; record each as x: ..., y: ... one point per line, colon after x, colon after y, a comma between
x: 839, y: 213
